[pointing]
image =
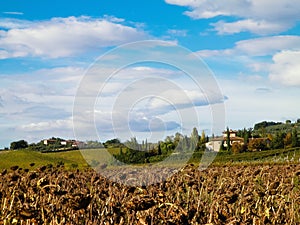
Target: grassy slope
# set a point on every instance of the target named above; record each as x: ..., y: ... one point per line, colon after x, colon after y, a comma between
x: 263, y: 156
x: 74, y: 159
x: 71, y: 159
x: 23, y: 158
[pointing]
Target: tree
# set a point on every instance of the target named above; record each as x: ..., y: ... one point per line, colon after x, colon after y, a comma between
x: 93, y: 144
x: 133, y: 144
x: 295, y: 142
x: 18, y: 145
x: 265, y: 124
x: 203, y: 138
x: 113, y: 143
x: 288, y: 140
x: 146, y: 145
x: 257, y: 144
x: 170, y: 146
x: 159, y: 152
x: 228, y: 139
x: 278, y: 140
x: 195, y: 134
x: 178, y: 139
x: 185, y: 143
x: 245, y: 136
x: 263, y: 132
x: 270, y: 137
x: 195, y: 139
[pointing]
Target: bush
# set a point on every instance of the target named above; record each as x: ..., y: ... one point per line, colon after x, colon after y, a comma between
x: 257, y: 144
x: 18, y: 145
x: 236, y: 148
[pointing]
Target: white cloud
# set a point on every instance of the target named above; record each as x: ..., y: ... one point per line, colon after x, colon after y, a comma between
x: 214, y: 53
x: 54, y: 125
x: 43, y: 95
x: 268, y: 45
x: 276, y: 58
x: 273, y: 16
x: 11, y: 23
x: 180, y: 33
x: 286, y: 68
x: 253, y: 26
x: 62, y: 37
x: 13, y: 13
x: 264, y: 46
x: 179, y: 100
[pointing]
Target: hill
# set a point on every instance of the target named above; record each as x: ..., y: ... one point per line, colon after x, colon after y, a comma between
x: 74, y: 159
x: 271, y: 127
x: 23, y: 159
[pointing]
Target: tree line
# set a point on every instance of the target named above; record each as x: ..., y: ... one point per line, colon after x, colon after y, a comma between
x: 264, y: 136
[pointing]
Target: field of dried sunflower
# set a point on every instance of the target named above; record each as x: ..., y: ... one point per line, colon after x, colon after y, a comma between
x: 257, y: 194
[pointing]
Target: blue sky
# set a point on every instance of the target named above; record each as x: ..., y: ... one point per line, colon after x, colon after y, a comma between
x: 46, y: 47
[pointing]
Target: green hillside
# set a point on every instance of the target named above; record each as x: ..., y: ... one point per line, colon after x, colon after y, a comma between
x: 274, y: 127
x: 75, y: 160
x: 23, y: 159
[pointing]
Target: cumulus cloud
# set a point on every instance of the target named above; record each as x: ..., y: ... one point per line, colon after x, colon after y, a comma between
x: 286, y: 68
x: 53, y: 126
x: 257, y: 16
x: 41, y: 86
x: 63, y: 37
x: 179, y: 100
x: 276, y: 56
x: 44, y: 95
x: 264, y: 46
x: 11, y: 102
x: 44, y: 112
x: 143, y: 99
x: 253, y: 26
x: 268, y: 45
x: 12, y: 23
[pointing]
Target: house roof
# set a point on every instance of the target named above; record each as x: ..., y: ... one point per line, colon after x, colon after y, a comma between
x: 234, y: 138
x: 217, y: 139
x: 230, y: 131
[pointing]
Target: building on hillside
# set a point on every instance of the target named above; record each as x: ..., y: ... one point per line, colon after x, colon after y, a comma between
x: 214, y: 144
x: 232, y: 133
x: 72, y: 143
x: 49, y: 141
x: 233, y: 138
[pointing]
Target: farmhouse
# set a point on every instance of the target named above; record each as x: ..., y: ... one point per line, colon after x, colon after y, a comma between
x: 214, y: 144
x: 232, y: 137
x: 72, y: 143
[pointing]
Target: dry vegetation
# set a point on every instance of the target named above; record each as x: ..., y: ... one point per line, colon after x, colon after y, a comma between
x: 261, y: 194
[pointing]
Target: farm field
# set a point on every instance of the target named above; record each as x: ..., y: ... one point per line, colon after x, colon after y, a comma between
x: 23, y: 159
x: 75, y: 160
x: 60, y: 188
x: 257, y: 194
